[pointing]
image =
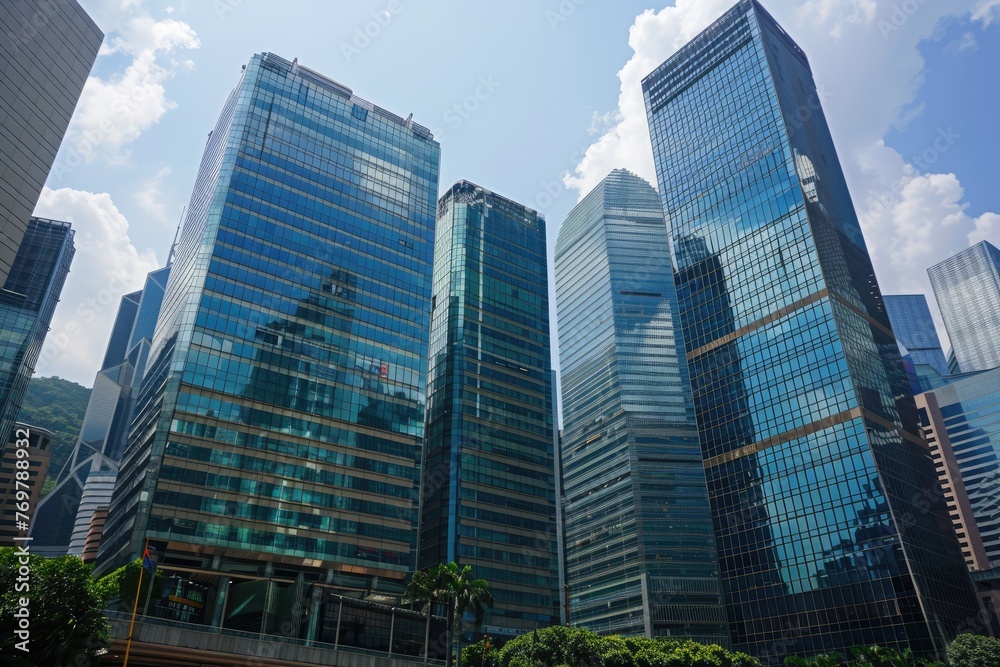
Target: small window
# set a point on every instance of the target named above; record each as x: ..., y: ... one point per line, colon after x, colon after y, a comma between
x: 360, y: 112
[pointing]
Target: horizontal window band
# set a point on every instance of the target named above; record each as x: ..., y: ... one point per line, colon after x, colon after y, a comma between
x: 787, y: 436
x: 808, y: 429
x: 753, y: 326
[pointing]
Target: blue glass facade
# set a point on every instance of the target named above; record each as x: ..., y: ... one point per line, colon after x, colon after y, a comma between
x: 279, y: 427
x: 913, y: 326
x: 488, y: 476
x: 87, y: 480
x: 121, y: 330
x: 968, y: 411
x: 967, y: 289
x: 808, y: 428
x: 27, y: 301
x: 639, y: 547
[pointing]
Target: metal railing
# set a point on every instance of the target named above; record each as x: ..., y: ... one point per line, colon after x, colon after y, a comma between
x: 124, y: 617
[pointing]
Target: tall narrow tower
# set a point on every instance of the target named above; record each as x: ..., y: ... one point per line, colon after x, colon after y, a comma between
x: 488, y: 491
x: 967, y: 289
x: 278, y: 431
x: 640, y: 551
x: 46, y: 52
x: 28, y: 300
x: 829, y: 532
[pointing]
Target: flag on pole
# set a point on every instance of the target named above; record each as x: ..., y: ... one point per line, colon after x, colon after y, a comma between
x: 147, y: 560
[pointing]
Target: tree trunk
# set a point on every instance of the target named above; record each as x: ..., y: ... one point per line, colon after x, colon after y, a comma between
x: 451, y: 631
x: 427, y: 632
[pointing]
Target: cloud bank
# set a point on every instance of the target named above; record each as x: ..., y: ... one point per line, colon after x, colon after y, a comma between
x: 115, y: 110
x: 105, y: 267
x: 867, y: 65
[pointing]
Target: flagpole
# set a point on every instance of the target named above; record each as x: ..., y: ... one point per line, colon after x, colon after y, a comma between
x: 135, y: 606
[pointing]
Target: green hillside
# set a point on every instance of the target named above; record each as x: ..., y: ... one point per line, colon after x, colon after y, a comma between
x: 57, y: 405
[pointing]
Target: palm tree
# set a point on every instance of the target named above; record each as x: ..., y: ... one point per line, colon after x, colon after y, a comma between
x: 427, y: 588
x: 457, y: 589
x: 468, y: 594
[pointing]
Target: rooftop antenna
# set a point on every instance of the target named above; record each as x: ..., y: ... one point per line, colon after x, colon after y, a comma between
x: 177, y: 238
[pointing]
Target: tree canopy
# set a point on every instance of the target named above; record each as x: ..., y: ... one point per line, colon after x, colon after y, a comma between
x: 575, y: 647
x: 65, y: 606
x: 974, y: 651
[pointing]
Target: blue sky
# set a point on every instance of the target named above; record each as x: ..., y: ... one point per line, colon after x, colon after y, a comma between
x: 535, y: 100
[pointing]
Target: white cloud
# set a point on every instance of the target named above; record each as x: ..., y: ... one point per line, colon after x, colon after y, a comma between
x: 865, y: 59
x: 114, y: 111
x: 986, y: 11
x: 653, y: 37
x: 106, y: 265
x: 967, y: 42
x: 150, y: 198
x: 838, y: 14
x: 918, y: 220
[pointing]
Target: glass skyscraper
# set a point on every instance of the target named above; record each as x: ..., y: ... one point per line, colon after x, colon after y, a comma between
x: 639, y: 547
x: 814, y: 458
x: 965, y: 416
x: 967, y: 289
x: 914, y: 329
x: 279, y: 427
x: 88, y: 478
x: 46, y: 52
x: 488, y: 477
x: 27, y: 301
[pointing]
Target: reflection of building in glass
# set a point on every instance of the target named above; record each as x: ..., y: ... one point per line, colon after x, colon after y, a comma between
x: 967, y: 289
x: 913, y: 326
x: 46, y: 53
x: 640, y: 554
x: 27, y: 302
x: 87, y: 480
x: 488, y: 495
x: 741, y: 512
x: 807, y: 423
x: 951, y: 481
x: 962, y: 421
x: 278, y: 430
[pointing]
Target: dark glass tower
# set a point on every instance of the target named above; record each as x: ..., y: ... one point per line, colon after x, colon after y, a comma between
x: 279, y: 426
x: 104, y: 427
x: 46, y: 52
x: 640, y: 552
x: 913, y: 326
x: 967, y: 289
x: 27, y: 301
x: 819, y: 478
x: 87, y: 480
x: 488, y: 488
